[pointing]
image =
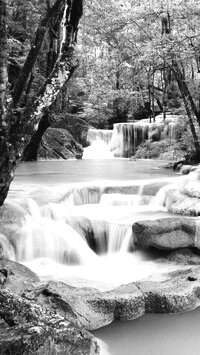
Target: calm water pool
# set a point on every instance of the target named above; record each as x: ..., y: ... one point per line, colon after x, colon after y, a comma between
x: 73, y: 171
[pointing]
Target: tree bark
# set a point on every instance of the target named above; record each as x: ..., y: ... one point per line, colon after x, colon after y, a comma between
x: 3, y: 60
x: 31, y: 151
x: 56, y: 10
x: 189, y: 104
x: 21, y: 123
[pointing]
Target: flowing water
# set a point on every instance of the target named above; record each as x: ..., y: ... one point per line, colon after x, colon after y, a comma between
x: 123, y: 140
x: 71, y: 221
x: 69, y: 228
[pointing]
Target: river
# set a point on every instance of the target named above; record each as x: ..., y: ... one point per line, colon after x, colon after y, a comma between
x: 41, y: 184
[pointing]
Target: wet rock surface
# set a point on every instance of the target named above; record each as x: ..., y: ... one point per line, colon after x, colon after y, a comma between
x: 179, y: 203
x: 88, y: 307
x: 166, y: 233
x: 77, y: 127
x: 58, y: 143
x: 177, y: 291
x: 16, y: 277
x: 36, y: 317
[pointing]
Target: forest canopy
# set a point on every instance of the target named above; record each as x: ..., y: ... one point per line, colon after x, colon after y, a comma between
x: 126, y: 60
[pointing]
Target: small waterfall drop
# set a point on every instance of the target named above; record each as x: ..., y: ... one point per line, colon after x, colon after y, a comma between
x: 99, y: 140
x: 125, y: 137
x: 6, y: 248
x: 120, y: 238
x: 56, y: 240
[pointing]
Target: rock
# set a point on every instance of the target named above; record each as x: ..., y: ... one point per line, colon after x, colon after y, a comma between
x: 176, y: 291
x: 88, y: 307
x: 16, y: 277
x: 37, y: 330
x: 129, y: 302
x: 185, y: 169
x: 184, y: 256
x: 77, y: 127
x: 85, y: 307
x: 191, y: 188
x: 179, y: 203
x: 58, y: 143
x: 166, y: 233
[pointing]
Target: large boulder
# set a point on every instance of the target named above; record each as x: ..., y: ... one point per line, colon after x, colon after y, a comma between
x: 166, y: 233
x: 77, y: 127
x: 34, y: 329
x: 58, y: 143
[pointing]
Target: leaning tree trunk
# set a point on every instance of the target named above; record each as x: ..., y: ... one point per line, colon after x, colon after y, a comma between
x: 189, y: 104
x: 31, y: 151
x: 18, y: 123
x: 5, y: 164
x: 63, y: 69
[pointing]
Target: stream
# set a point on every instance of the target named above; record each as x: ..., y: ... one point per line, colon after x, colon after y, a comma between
x: 58, y: 202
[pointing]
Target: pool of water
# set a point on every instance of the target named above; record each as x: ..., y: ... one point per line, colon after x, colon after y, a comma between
x: 78, y: 171
x: 154, y: 334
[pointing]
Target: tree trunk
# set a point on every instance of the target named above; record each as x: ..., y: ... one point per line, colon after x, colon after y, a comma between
x: 18, y: 123
x: 190, y: 106
x: 184, y: 90
x: 3, y: 60
x: 56, y: 10
x: 31, y: 151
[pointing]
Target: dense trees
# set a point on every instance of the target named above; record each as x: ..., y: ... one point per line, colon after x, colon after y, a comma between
x: 22, y: 105
x: 140, y: 59
x: 137, y: 59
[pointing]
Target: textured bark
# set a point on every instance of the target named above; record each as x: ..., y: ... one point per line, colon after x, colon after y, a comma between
x: 57, y: 9
x: 189, y: 103
x: 3, y: 59
x: 66, y: 63
x: 22, y: 123
x: 31, y: 151
x: 64, y: 68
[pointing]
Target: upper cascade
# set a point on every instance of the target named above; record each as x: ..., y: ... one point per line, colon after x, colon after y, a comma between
x: 125, y: 137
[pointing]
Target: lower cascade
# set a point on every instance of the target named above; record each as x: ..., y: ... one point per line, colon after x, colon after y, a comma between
x: 86, y: 233
x: 94, y: 253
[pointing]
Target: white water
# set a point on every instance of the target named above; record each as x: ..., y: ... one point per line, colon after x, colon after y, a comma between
x: 125, y: 137
x: 55, y: 228
x: 52, y: 239
x: 48, y: 232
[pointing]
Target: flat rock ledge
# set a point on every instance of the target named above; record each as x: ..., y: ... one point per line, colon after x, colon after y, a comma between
x: 54, y: 317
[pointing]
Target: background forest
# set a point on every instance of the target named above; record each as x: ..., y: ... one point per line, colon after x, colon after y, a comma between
x: 126, y: 61
x: 133, y: 59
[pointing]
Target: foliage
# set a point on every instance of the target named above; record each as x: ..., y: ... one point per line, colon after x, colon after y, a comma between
x: 167, y: 148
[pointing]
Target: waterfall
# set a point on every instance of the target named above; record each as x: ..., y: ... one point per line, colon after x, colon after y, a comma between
x: 125, y: 137
x: 99, y: 140
x: 56, y: 240
x: 6, y: 248
x: 120, y: 238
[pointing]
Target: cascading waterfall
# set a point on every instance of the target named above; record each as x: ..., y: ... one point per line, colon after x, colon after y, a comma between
x: 125, y: 137
x: 85, y: 233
